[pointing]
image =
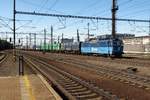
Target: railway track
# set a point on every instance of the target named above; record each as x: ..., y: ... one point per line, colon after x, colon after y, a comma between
x: 108, y: 72
x: 131, y: 62
x: 3, y: 57
x: 73, y: 87
x: 130, y: 78
x: 126, y: 60
x: 116, y: 74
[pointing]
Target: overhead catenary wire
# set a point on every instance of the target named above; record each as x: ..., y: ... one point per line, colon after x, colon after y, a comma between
x: 42, y: 7
x: 39, y: 5
x: 89, y: 6
x: 133, y: 8
x: 125, y: 2
x: 109, y: 9
x: 86, y: 17
x: 82, y: 10
x: 78, y: 17
x: 53, y: 5
x: 6, y: 25
x: 10, y: 19
x: 136, y: 12
x: 103, y: 11
x: 134, y: 5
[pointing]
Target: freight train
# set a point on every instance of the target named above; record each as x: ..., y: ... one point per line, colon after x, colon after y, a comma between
x: 110, y: 47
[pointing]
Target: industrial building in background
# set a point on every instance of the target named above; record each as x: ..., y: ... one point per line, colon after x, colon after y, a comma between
x: 118, y: 35
x: 139, y: 44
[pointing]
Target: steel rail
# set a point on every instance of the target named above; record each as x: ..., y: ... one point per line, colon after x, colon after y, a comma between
x: 138, y: 80
x: 3, y: 58
x: 96, y: 89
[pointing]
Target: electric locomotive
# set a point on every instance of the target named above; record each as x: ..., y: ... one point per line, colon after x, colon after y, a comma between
x: 109, y: 46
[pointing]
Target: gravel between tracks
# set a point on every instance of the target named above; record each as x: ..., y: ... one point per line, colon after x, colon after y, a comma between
x: 8, y: 67
x: 122, y: 64
x: 123, y: 90
x: 118, y: 88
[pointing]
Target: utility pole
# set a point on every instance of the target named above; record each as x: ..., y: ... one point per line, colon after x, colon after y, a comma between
x: 58, y: 40
x: 49, y: 45
x: 62, y: 39
x: 35, y: 41
x: 30, y: 40
x: 27, y: 42
x: 14, y: 27
x: 40, y: 45
x: 88, y: 30
x: 72, y: 43
x: 52, y: 38
x: 149, y: 33
x: 149, y: 26
x: 114, y: 9
x: 44, y: 40
x: 59, y: 45
x: 78, y: 37
x: 6, y: 36
x: 22, y: 42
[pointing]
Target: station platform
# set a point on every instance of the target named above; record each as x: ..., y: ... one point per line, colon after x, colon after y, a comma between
x: 28, y: 87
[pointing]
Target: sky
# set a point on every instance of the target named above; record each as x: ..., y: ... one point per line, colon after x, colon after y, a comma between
x: 129, y: 9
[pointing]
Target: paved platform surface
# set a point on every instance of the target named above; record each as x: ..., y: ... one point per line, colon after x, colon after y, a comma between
x: 9, y: 88
x: 27, y: 87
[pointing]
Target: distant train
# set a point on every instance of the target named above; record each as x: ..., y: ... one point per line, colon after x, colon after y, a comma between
x: 101, y: 47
